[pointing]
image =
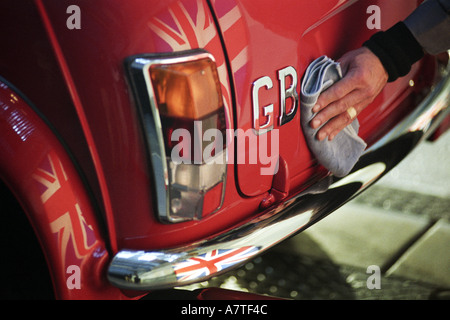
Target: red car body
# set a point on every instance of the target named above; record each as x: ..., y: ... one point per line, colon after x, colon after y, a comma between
x: 73, y: 152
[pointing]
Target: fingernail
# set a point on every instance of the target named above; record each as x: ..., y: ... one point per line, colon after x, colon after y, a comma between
x: 316, y: 108
x: 331, y: 137
x: 315, y: 123
x: 321, y: 136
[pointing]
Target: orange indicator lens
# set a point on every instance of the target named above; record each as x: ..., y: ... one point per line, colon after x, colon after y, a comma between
x: 186, y: 90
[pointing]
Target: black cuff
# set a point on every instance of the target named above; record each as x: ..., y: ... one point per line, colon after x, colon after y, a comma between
x: 397, y: 50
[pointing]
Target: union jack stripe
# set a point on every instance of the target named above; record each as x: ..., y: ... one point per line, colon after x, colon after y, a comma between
x: 185, y: 28
x: 212, y: 262
x: 183, y: 32
x: 64, y: 213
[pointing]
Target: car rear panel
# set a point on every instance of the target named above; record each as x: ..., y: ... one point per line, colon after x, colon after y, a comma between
x: 249, y: 40
x: 113, y: 31
x: 263, y: 37
x: 80, y: 79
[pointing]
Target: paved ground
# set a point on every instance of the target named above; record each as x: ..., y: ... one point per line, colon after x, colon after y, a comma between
x: 400, y: 226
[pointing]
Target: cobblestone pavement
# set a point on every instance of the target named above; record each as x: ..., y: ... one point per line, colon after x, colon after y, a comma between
x: 283, y: 273
x: 294, y: 276
x: 303, y: 278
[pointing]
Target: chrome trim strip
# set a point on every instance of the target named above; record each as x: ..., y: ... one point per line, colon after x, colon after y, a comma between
x: 156, y: 269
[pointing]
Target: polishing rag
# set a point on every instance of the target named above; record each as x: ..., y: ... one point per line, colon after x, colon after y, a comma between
x: 340, y: 154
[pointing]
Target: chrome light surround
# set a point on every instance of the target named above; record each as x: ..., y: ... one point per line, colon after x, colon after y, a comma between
x: 166, y: 174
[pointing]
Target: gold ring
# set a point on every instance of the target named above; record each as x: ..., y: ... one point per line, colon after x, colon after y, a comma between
x: 351, y: 112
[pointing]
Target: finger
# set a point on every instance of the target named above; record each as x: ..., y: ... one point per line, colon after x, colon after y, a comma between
x: 334, y: 93
x: 334, y: 126
x: 339, y: 122
x: 334, y: 109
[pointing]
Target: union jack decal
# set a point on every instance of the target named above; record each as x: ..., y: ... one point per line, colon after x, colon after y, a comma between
x: 184, y: 28
x: 66, y: 217
x: 185, y: 32
x: 212, y: 262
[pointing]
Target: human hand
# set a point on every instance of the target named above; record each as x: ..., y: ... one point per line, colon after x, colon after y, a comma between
x: 363, y: 79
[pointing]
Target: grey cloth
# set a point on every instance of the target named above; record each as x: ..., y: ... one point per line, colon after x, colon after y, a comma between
x: 430, y: 25
x: 339, y: 155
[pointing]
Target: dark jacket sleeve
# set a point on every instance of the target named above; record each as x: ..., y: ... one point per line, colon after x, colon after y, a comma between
x: 430, y: 25
x: 427, y: 29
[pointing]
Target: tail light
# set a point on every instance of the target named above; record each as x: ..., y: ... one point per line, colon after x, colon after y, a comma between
x: 180, y: 103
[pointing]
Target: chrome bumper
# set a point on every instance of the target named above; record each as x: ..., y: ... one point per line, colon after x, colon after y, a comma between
x: 157, y: 269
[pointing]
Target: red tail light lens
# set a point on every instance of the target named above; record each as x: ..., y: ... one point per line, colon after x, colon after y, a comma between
x: 184, y: 122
